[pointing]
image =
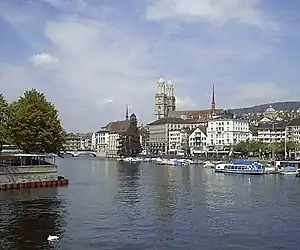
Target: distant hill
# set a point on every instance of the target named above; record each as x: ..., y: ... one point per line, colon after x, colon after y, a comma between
x: 262, y: 108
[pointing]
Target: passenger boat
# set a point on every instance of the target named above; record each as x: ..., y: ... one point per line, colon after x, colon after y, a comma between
x: 240, y: 167
x: 220, y: 167
x: 289, y: 170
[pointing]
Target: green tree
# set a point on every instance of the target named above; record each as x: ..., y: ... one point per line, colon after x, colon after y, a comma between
x: 35, y: 125
x: 4, y: 131
x: 129, y: 141
x: 251, y: 147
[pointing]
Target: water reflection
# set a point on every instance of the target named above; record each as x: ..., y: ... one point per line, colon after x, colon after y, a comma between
x: 129, y: 182
x: 166, y: 203
x: 28, y: 216
x: 186, y: 180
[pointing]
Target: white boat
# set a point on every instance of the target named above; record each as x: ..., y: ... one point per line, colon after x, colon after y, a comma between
x: 289, y: 170
x: 220, y: 167
x: 208, y: 164
x: 241, y: 167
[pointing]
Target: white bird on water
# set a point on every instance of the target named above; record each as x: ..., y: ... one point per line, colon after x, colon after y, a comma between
x: 52, y: 238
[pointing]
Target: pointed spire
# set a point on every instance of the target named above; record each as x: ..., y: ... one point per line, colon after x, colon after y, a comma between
x: 126, y: 113
x: 213, y: 101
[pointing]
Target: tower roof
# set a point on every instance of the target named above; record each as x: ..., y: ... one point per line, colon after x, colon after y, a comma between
x: 161, y: 80
x: 213, y: 96
x: 169, y: 82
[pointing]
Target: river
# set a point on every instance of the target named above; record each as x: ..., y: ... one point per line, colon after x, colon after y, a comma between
x: 110, y: 205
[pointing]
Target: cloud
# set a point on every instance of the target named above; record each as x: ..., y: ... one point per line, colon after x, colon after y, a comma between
x: 93, y: 58
x: 185, y: 103
x: 216, y: 12
x: 43, y: 60
x: 255, y: 93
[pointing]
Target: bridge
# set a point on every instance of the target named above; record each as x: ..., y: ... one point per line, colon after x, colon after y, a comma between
x: 79, y: 153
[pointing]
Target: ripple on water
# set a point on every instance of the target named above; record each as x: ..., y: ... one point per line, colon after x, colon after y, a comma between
x: 115, y: 206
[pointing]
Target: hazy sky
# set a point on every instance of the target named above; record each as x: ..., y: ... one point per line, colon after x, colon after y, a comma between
x: 93, y: 57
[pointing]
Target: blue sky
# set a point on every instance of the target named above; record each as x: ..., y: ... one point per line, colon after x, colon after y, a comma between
x: 93, y: 57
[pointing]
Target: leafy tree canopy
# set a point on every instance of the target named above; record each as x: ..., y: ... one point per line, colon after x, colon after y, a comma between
x: 4, y: 133
x: 34, y: 124
x: 129, y: 142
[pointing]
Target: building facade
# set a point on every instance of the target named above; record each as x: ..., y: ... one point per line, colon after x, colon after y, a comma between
x: 165, y: 101
x: 198, y: 141
x: 227, y: 132
x: 159, y: 132
x: 293, y: 130
x: 270, y: 132
x: 179, y: 141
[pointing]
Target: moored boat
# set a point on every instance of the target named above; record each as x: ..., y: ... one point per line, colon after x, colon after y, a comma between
x: 289, y: 170
x: 241, y: 167
x: 208, y: 164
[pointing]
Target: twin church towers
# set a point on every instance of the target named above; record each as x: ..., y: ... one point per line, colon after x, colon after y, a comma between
x: 164, y: 98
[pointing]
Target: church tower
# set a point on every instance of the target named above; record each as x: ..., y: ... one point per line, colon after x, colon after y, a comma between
x: 213, y: 102
x: 164, y: 99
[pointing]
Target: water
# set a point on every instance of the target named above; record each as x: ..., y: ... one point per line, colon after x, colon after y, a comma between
x: 110, y: 205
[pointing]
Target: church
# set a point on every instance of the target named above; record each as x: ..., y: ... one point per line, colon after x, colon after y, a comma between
x: 165, y: 104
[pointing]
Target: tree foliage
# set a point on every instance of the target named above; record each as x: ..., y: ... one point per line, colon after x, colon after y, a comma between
x: 34, y: 124
x: 4, y: 132
x: 129, y: 141
x: 251, y: 147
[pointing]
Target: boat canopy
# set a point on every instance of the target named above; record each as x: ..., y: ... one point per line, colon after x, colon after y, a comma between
x: 242, y: 162
x: 289, y: 168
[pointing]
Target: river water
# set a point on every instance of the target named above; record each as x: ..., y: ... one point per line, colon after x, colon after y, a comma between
x: 110, y: 205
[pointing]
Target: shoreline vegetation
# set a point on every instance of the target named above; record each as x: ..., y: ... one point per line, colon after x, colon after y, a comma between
x: 32, y: 124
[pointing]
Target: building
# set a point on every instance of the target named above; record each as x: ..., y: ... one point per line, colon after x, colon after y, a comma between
x: 227, y: 131
x: 159, y: 131
x: 270, y: 132
x: 86, y: 141
x: 106, y: 140
x: 73, y: 142
x: 179, y: 141
x: 293, y: 130
x: 164, y: 99
x: 198, y: 114
x: 198, y: 140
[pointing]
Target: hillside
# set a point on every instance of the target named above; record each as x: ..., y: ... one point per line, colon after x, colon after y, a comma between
x: 262, y: 107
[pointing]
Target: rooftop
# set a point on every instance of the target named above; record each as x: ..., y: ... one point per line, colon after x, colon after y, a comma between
x: 175, y: 120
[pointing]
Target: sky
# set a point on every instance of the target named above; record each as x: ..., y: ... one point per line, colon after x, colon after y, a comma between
x: 92, y: 58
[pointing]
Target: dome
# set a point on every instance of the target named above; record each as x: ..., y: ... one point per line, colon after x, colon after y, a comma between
x: 170, y: 82
x: 270, y: 109
x: 161, y: 80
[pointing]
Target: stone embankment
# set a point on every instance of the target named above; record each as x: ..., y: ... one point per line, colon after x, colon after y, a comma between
x: 33, y: 176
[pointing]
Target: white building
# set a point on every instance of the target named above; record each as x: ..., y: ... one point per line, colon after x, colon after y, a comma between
x: 226, y: 132
x: 159, y: 131
x: 178, y: 141
x: 270, y: 132
x: 198, y: 140
x: 106, y: 140
x: 293, y: 130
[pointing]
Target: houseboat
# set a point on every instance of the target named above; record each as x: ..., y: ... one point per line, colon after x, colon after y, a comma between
x: 29, y: 170
x: 240, y: 167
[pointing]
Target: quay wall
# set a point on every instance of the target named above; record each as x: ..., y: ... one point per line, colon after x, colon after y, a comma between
x: 34, y: 173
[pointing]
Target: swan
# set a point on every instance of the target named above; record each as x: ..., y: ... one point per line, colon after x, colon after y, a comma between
x: 52, y: 238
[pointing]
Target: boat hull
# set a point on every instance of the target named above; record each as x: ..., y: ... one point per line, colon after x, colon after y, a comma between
x: 247, y: 172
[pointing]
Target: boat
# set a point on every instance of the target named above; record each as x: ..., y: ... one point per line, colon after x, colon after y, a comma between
x: 220, y: 167
x: 208, y: 164
x: 241, y: 167
x: 21, y: 170
x: 289, y: 170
